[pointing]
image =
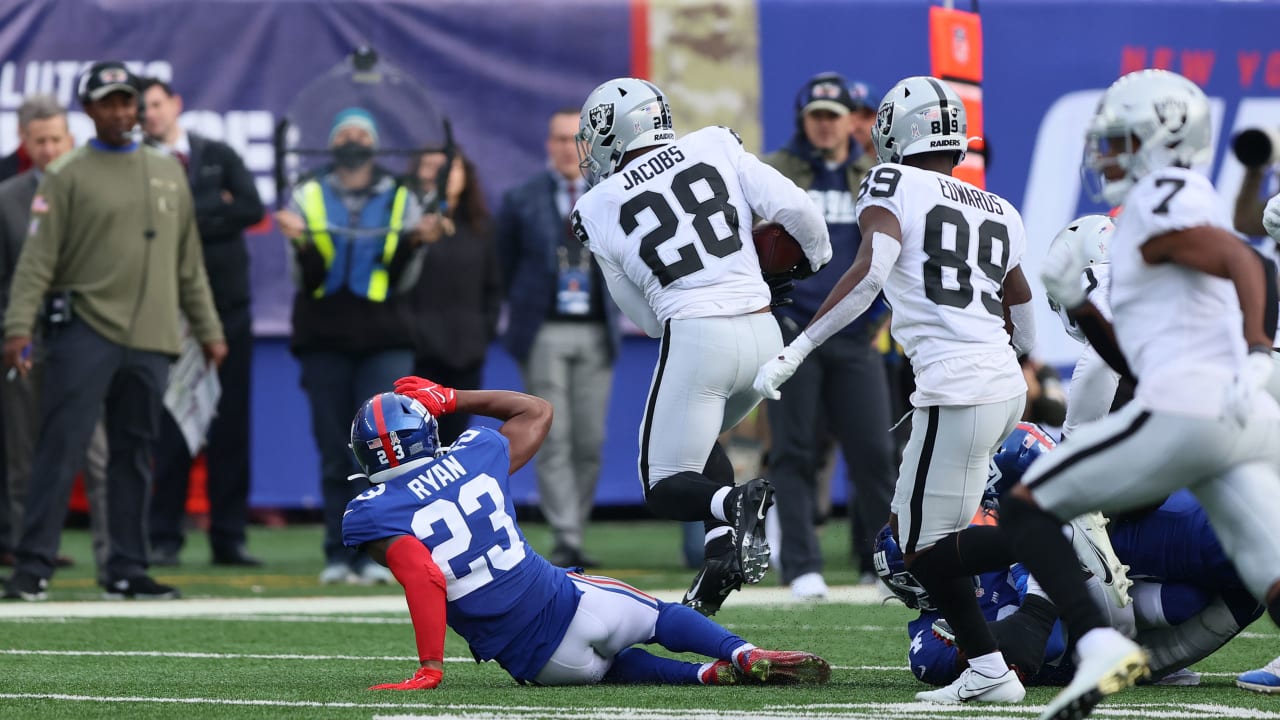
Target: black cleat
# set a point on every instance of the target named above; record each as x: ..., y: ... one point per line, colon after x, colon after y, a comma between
x: 748, y: 506
x: 26, y: 587
x: 718, y: 577
x: 139, y: 588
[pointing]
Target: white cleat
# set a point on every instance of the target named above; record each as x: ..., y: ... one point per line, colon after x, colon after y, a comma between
x: 1116, y: 665
x: 973, y: 686
x: 1093, y: 547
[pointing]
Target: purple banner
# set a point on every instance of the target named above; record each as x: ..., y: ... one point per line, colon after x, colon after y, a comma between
x: 498, y: 69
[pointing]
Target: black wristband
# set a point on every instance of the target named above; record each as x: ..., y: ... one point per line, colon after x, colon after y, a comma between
x: 1260, y: 348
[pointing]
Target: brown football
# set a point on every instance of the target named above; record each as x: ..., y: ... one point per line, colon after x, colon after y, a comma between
x: 778, y: 251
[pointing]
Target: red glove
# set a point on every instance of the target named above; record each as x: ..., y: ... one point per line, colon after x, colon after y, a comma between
x: 425, y: 679
x: 438, y: 399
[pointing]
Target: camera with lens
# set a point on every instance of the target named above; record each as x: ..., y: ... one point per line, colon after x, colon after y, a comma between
x: 1256, y: 147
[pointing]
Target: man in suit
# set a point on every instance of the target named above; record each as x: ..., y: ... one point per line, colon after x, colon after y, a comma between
x: 43, y: 131
x: 563, y: 331
x: 226, y: 203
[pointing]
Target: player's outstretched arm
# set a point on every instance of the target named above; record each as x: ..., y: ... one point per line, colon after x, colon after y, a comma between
x: 526, y: 419
x: 852, y: 295
x: 424, y: 591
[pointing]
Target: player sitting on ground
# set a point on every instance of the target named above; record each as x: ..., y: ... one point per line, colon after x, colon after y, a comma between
x: 442, y: 521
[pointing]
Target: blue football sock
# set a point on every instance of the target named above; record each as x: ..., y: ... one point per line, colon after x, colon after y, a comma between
x: 636, y: 666
x: 683, y: 629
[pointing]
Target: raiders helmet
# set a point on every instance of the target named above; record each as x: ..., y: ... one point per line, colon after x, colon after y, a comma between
x: 919, y: 115
x: 620, y: 115
x: 1091, y: 237
x: 1146, y: 120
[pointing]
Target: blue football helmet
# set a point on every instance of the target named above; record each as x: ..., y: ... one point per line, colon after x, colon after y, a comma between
x: 1027, y: 442
x: 892, y: 569
x: 390, y: 430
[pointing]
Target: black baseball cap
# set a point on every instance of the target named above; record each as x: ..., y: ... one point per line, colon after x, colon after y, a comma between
x: 105, y: 77
x: 826, y: 91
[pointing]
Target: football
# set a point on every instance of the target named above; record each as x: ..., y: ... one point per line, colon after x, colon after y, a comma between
x: 778, y: 251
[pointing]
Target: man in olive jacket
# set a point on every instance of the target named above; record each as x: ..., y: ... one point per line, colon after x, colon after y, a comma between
x: 841, y: 389
x: 113, y: 255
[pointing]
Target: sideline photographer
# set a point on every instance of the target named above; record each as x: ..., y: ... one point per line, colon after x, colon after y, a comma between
x: 1259, y: 151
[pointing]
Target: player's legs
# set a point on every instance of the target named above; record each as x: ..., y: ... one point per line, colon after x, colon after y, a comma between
x: 940, y: 485
x: 700, y: 381
x: 1242, y: 507
x: 1128, y: 459
x: 611, y: 616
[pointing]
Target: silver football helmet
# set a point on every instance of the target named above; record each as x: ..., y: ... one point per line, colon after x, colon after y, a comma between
x: 620, y: 115
x: 919, y: 115
x: 1146, y: 120
x: 1090, y: 238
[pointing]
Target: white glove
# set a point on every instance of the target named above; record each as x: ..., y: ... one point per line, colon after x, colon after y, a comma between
x: 1271, y: 217
x: 780, y: 369
x: 1060, y: 274
x: 1248, y: 383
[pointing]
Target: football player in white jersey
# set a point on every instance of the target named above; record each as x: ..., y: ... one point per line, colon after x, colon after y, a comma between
x: 1182, y: 289
x: 669, y: 222
x: 947, y: 256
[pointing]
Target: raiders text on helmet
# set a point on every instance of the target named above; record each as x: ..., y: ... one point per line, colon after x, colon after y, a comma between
x: 919, y: 115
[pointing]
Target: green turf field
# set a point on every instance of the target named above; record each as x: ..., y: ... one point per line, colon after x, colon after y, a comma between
x: 311, y: 660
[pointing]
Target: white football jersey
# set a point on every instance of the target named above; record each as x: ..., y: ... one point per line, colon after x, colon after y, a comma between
x: 1180, y: 330
x: 676, y: 223
x: 958, y: 243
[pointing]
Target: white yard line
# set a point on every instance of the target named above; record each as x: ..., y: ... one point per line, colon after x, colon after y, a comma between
x: 354, y: 605
x: 831, y: 711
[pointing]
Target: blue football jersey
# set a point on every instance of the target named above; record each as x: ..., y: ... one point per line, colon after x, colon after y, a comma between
x: 1174, y: 543
x: 1000, y: 593
x: 504, y: 599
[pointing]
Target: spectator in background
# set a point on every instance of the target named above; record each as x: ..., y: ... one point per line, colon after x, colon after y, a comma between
x: 862, y: 115
x: 563, y: 331
x: 844, y: 379
x: 459, y: 293
x: 356, y: 238
x: 16, y: 162
x: 226, y: 204
x: 114, y: 245
x: 42, y: 125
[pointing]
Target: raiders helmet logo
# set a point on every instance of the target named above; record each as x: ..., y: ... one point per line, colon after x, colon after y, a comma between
x: 1172, y: 113
x: 884, y: 118
x: 601, y: 118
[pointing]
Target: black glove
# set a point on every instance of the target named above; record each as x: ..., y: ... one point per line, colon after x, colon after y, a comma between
x: 780, y: 284
x: 802, y: 271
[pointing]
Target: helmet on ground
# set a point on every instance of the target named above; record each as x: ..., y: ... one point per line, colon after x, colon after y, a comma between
x: 621, y: 115
x: 390, y: 430
x: 891, y: 566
